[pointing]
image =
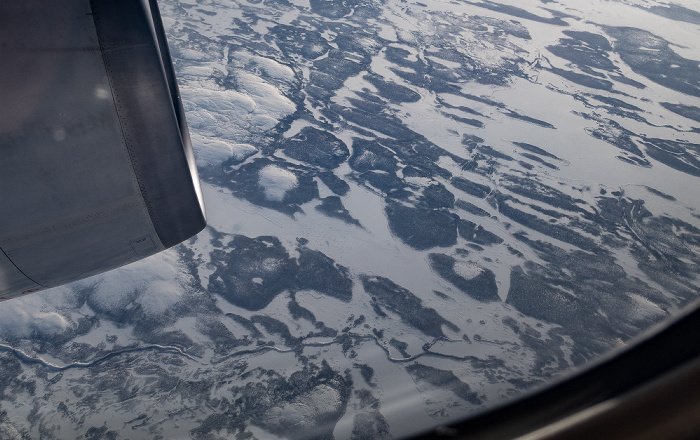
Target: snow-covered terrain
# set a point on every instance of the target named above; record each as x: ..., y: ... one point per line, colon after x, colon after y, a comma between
x: 417, y: 210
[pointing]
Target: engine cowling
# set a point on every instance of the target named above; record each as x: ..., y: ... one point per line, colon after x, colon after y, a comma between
x: 96, y: 164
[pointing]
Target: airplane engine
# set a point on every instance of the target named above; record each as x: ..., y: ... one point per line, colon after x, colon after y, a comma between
x: 96, y: 164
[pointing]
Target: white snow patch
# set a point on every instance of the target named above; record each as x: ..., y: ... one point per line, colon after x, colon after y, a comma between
x: 276, y: 182
x: 645, y: 309
x: 467, y: 269
x: 191, y: 54
x: 159, y: 296
x: 140, y: 282
x: 444, y: 62
x: 21, y: 319
x: 304, y: 4
x: 265, y: 94
x: 270, y: 67
x: 257, y: 106
x: 202, y: 71
x: 213, y: 151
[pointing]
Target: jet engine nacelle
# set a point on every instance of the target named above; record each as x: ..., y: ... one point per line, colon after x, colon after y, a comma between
x: 96, y: 165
